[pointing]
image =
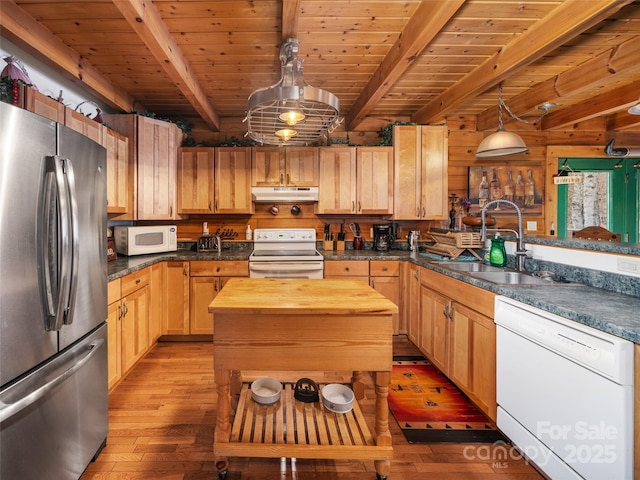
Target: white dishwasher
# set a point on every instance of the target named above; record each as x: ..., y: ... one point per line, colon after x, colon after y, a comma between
x: 565, y: 393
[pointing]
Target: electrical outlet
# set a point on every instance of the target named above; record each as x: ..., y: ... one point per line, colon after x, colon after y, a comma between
x: 532, y: 226
x: 631, y: 265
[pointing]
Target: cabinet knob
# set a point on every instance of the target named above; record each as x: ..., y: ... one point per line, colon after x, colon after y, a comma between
x: 346, y: 269
x: 217, y: 269
x: 384, y: 269
x: 138, y: 281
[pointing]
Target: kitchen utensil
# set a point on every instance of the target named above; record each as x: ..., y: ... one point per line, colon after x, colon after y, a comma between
x: 357, y: 229
x: 306, y: 390
x: 412, y: 239
x: 327, y: 232
x: 266, y: 391
x: 341, y: 234
x: 337, y: 398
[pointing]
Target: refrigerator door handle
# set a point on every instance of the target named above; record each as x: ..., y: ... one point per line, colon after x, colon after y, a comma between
x: 8, y: 410
x: 74, y: 240
x: 59, y: 243
x: 45, y: 248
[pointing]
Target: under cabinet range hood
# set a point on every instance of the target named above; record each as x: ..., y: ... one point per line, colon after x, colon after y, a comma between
x: 284, y: 194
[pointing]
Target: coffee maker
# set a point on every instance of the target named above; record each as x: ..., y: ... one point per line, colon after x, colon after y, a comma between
x: 382, y: 238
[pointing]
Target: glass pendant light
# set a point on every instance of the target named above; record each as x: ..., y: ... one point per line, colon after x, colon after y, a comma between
x: 286, y: 134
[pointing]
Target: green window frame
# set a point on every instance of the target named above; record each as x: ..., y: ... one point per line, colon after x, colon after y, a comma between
x: 623, y: 189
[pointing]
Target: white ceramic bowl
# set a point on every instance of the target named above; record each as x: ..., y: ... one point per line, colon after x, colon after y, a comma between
x: 266, y: 391
x: 337, y: 398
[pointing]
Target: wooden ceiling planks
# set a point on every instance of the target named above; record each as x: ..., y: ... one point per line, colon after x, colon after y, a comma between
x: 231, y: 47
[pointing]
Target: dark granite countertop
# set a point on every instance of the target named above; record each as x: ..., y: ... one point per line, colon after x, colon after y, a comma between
x: 608, y: 311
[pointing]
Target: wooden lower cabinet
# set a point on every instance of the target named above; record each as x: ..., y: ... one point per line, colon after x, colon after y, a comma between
x: 158, y: 304
x: 411, y: 301
x: 206, y: 280
x: 176, y: 319
x: 384, y: 276
x: 128, y: 322
x: 458, y: 335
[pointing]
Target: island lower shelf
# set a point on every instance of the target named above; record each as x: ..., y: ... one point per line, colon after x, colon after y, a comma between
x: 290, y: 428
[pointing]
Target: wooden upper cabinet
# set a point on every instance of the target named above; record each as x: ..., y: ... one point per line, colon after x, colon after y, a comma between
x: 83, y: 124
x: 356, y: 180
x: 374, y: 180
x: 117, y: 146
x: 337, y: 188
x: 157, y: 145
x: 153, y: 150
x: 301, y: 166
x: 233, y: 180
x: 47, y: 107
x: 195, y: 180
x: 284, y: 166
x: 420, y: 182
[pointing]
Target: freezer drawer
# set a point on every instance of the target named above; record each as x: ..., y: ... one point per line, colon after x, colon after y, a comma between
x: 56, y: 419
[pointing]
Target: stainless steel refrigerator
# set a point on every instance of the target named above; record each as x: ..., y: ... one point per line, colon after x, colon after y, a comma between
x: 53, y: 298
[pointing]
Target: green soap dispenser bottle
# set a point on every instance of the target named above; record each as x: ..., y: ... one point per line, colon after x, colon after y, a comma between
x: 497, y: 254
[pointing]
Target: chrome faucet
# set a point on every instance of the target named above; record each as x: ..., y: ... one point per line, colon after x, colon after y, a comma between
x: 520, y: 250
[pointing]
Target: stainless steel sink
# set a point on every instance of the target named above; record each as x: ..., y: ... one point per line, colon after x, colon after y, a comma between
x: 511, y: 278
x: 469, y: 266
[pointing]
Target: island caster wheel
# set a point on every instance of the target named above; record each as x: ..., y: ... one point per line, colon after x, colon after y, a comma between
x: 380, y: 477
x: 223, y: 475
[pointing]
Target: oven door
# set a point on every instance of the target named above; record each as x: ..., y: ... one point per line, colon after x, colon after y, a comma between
x: 287, y: 269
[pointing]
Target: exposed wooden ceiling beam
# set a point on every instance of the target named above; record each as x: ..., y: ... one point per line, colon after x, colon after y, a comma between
x: 148, y: 24
x: 622, y: 121
x: 425, y: 23
x: 568, y: 20
x: 23, y: 30
x: 290, y: 16
x: 624, y: 58
x: 618, y: 99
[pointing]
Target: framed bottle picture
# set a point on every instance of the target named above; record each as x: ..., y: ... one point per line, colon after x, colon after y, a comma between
x: 523, y: 185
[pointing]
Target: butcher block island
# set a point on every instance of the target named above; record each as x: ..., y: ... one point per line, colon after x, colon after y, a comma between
x: 301, y: 325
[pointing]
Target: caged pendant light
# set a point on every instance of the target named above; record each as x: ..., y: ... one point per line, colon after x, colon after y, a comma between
x: 291, y: 112
x: 503, y: 143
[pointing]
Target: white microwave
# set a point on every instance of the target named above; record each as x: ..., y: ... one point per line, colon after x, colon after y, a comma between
x: 145, y: 240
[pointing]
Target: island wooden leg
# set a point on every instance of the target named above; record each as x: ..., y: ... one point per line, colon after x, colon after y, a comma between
x: 223, y: 424
x: 357, y: 384
x: 383, y: 435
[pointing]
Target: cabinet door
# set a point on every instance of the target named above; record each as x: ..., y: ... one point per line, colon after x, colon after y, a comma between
x: 460, y: 347
x: 413, y: 303
x: 135, y: 327
x: 177, y: 292
x: 301, y: 168
x: 202, y: 291
x: 84, y: 125
x: 158, y: 306
x: 435, y: 327
x: 157, y: 144
x: 114, y: 365
x: 43, y: 105
x: 482, y: 389
x: 195, y: 180
x: 435, y: 182
x: 267, y: 166
x: 233, y: 180
x: 407, y: 174
x: 117, y: 145
x: 374, y: 184
x: 337, y: 188
x: 390, y: 288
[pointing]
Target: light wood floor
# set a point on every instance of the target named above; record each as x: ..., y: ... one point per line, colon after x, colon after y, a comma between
x: 161, y: 420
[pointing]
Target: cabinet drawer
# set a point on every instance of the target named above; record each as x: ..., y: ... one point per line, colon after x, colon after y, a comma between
x: 384, y: 268
x: 346, y: 268
x: 114, y: 291
x: 204, y: 268
x: 134, y: 281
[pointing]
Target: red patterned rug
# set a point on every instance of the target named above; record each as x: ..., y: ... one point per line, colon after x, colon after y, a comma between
x: 431, y: 409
